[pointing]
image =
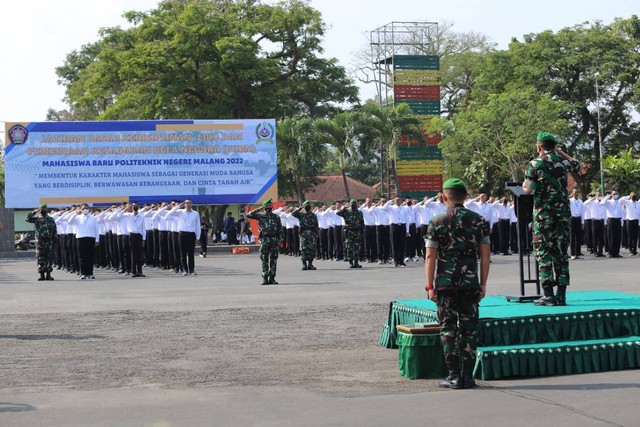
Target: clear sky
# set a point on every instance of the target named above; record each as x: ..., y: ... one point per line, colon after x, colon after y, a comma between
x: 36, y: 35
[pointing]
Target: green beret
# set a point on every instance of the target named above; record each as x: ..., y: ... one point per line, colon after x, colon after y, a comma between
x: 43, y: 206
x: 305, y: 203
x: 454, y: 184
x: 352, y: 201
x: 546, y: 136
x: 266, y: 202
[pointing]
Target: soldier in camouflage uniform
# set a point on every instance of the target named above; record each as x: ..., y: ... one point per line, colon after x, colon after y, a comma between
x: 354, y: 232
x: 308, y: 234
x: 270, y: 235
x: 546, y: 178
x: 453, y: 241
x: 46, y: 236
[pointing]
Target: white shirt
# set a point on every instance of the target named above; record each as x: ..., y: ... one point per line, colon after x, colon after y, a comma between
x: 382, y: 217
x: 121, y: 226
x: 322, y: 219
x: 398, y: 214
x: 423, y: 213
x: 160, y: 217
x: 598, y: 211
x: 631, y: 208
x: 86, y: 225
x: 436, y: 206
x: 368, y: 215
x: 135, y: 224
x: 188, y: 222
x: 614, y: 209
x: 577, y: 208
x: 503, y: 210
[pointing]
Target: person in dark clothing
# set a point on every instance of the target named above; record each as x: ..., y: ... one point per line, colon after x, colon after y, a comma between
x: 230, y: 229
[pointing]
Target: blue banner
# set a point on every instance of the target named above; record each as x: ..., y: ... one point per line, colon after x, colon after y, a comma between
x: 207, y: 161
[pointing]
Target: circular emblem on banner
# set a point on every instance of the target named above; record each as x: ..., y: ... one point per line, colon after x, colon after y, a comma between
x: 18, y: 134
x: 265, y: 132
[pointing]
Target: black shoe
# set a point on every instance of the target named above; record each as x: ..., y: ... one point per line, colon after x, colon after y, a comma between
x: 265, y: 281
x: 562, y: 300
x: 311, y: 266
x: 41, y: 278
x: 48, y: 277
x: 452, y: 381
x: 272, y: 281
x: 469, y: 382
x: 546, y: 301
x: 356, y: 265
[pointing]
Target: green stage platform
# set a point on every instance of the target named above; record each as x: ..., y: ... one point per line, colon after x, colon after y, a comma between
x: 521, y: 339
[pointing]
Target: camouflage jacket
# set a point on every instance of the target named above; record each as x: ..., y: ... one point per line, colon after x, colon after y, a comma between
x: 269, y: 224
x: 308, y: 220
x: 549, y: 175
x: 353, y: 219
x: 457, y: 234
x: 45, y: 227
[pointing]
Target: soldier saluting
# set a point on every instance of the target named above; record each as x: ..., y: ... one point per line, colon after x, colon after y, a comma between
x: 46, y: 236
x: 270, y: 235
x: 308, y: 233
x: 354, y: 231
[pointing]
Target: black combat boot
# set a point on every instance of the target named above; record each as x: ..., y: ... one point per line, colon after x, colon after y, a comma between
x: 272, y: 281
x: 265, y: 281
x: 453, y: 381
x: 48, y: 277
x: 304, y: 265
x: 311, y: 266
x: 467, y: 374
x: 561, y: 296
x: 356, y: 264
x: 41, y: 278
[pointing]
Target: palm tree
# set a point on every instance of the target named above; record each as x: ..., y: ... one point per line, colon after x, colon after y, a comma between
x: 346, y: 132
x: 390, y: 123
x: 300, y: 152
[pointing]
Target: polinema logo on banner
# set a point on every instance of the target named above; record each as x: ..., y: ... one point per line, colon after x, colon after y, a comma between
x: 207, y: 161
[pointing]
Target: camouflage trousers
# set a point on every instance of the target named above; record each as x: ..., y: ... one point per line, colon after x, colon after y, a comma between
x: 352, y: 245
x: 44, y: 256
x: 551, y: 243
x: 458, y: 314
x: 269, y: 256
x: 308, y: 240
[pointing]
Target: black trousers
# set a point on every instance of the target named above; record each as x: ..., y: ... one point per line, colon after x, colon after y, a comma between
x: 632, y: 233
x: 75, y: 259
x: 204, y: 240
x: 495, y: 238
x: 410, y: 242
x: 290, y: 242
x: 513, y: 235
x: 175, y: 251
x: 114, y: 255
x: 504, y: 227
x: 384, y: 239
x: 102, y: 250
x: 156, y: 247
x: 370, y: 247
x: 338, y: 242
x: 423, y: 234
x: 598, y: 235
x: 588, y: 234
x: 324, y: 243
x: 124, y: 250
x: 614, y: 230
x: 187, y: 248
x: 165, y: 260
x: 148, y: 249
x: 86, y: 251
x: 399, y: 234
x: 330, y: 242
x: 135, y: 246
x: 576, y: 236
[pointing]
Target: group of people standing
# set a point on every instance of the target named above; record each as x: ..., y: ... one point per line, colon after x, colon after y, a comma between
x: 121, y: 238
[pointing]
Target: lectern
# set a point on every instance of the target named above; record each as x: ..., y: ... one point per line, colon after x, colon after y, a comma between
x: 523, y: 205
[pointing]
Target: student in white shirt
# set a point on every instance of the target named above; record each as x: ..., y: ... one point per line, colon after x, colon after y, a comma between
x: 189, y: 230
x: 87, y: 238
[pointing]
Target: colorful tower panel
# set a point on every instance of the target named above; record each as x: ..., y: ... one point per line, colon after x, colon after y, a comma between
x: 416, y: 80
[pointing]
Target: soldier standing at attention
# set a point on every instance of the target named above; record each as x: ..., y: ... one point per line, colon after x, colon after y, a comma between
x: 354, y: 230
x: 308, y: 234
x: 270, y: 234
x: 453, y: 241
x: 46, y: 236
x: 546, y: 178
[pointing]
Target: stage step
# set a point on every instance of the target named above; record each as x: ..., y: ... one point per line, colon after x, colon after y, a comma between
x: 558, y: 358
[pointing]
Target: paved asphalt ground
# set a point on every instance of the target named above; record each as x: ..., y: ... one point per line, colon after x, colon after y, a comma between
x: 219, y: 349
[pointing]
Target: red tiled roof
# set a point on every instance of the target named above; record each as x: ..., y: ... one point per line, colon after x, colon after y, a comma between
x: 331, y: 188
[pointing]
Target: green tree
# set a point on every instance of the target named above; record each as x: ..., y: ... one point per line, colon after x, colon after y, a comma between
x: 347, y: 133
x: 495, y: 139
x: 208, y: 59
x: 567, y: 66
x: 622, y: 172
x: 301, y: 156
x: 389, y: 124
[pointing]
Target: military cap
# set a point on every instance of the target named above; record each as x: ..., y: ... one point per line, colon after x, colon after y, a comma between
x: 454, y: 184
x: 266, y: 202
x: 352, y: 201
x: 43, y: 206
x: 305, y: 203
x: 546, y: 136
